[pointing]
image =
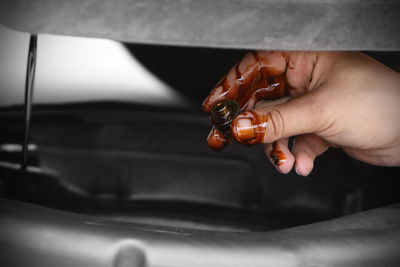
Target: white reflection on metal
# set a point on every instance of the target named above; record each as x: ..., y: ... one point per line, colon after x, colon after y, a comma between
x: 73, y: 69
x: 10, y: 148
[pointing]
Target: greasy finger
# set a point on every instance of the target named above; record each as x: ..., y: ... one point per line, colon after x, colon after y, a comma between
x: 305, y: 149
x: 216, y: 140
x: 280, y: 156
x: 260, y: 74
x: 297, y: 116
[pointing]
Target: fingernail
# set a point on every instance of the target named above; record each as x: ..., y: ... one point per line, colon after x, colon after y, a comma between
x: 296, y: 169
x: 245, y: 129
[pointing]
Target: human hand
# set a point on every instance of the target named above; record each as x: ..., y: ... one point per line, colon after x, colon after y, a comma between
x: 340, y: 99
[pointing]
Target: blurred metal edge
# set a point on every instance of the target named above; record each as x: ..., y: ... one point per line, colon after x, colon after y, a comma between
x: 32, y: 235
x: 251, y: 24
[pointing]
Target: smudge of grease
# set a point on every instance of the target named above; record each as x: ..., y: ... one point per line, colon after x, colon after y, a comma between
x: 253, y: 84
x: 259, y: 122
x: 277, y: 156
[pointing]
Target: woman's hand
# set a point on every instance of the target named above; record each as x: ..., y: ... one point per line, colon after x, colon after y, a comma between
x: 340, y: 99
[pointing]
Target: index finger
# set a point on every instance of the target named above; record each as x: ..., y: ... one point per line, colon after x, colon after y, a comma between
x: 247, y: 77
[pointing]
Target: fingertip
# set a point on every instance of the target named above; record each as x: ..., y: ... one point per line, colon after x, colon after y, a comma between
x: 216, y: 140
x: 305, y: 149
x: 243, y: 129
x: 304, y: 163
x: 280, y: 156
x: 287, y: 166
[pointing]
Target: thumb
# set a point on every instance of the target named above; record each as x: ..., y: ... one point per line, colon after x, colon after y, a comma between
x: 265, y: 125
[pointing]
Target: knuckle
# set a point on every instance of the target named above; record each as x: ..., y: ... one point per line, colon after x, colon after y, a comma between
x: 275, y: 126
x: 321, y: 106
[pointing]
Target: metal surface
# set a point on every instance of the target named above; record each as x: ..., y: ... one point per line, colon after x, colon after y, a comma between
x: 46, y: 237
x: 251, y: 24
x: 222, y: 115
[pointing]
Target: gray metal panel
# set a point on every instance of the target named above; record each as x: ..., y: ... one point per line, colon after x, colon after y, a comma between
x: 250, y: 24
x: 35, y: 236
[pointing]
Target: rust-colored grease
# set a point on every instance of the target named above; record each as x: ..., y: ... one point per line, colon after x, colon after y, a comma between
x: 277, y: 156
x: 257, y: 81
x: 259, y: 122
x: 216, y: 140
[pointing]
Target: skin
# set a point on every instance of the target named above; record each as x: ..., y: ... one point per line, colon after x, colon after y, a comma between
x: 340, y: 99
